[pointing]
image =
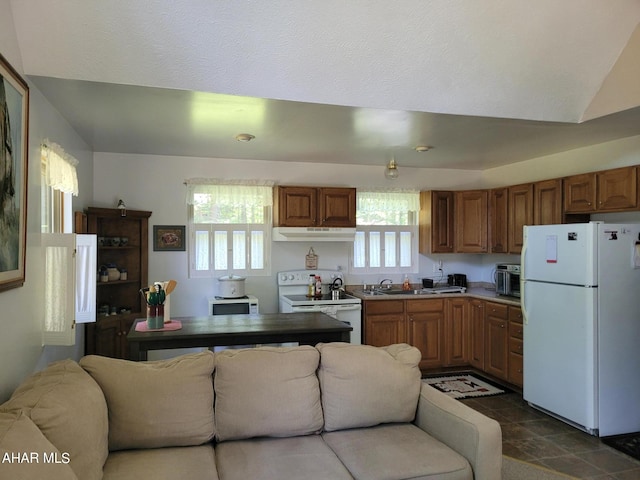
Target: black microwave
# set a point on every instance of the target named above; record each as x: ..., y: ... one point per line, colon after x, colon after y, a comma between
x: 507, y: 278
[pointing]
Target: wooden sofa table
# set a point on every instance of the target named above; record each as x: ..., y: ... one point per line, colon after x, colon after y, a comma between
x: 224, y: 330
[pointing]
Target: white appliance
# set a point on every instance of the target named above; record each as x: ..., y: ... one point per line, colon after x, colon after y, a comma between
x: 581, y: 306
x: 293, y: 289
x: 233, y: 306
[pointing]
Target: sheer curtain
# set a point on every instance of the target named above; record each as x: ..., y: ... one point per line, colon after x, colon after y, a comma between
x: 388, y: 203
x: 60, y: 168
x: 232, y: 192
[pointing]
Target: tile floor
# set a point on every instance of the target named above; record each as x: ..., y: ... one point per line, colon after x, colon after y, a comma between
x: 535, y: 437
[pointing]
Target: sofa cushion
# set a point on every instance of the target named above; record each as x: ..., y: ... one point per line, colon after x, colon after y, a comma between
x: 305, y: 457
x: 363, y: 385
x: 165, y: 403
x: 25, y: 453
x: 267, y: 391
x: 70, y: 410
x: 179, y: 463
x: 395, y: 452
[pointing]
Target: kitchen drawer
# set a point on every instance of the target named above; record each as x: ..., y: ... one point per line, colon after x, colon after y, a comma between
x: 515, y: 330
x: 377, y: 307
x: 498, y: 310
x: 515, y: 314
x: 431, y: 305
x: 515, y: 345
x: 515, y: 369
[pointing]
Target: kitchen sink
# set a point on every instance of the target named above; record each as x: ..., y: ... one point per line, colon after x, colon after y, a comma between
x: 371, y: 293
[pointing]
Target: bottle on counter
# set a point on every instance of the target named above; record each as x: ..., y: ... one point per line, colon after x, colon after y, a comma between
x: 311, y: 289
x: 406, y: 285
x: 318, y: 292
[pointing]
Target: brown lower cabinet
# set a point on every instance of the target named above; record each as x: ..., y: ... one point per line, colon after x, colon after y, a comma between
x: 426, y: 330
x: 455, y: 331
x: 110, y: 336
x: 496, y: 336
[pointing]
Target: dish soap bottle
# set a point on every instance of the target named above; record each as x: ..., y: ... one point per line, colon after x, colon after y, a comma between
x: 311, y: 289
x: 406, y: 285
x: 318, y: 292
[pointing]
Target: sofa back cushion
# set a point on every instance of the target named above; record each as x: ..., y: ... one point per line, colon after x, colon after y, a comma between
x: 70, y: 410
x: 26, y: 453
x: 165, y: 403
x: 267, y: 391
x: 363, y: 385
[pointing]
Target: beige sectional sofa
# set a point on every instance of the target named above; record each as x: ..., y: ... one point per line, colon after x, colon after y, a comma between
x: 336, y: 411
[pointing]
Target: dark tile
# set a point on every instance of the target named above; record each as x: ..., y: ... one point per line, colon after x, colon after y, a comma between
x: 628, y: 475
x: 511, y: 450
x: 609, y: 461
x: 520, y: 414
x: 577, y: 441
x: 572, y: 465
x: 539, y: 447
x: 516, y: 431
x: 548, y: 426
x: 496, y: 402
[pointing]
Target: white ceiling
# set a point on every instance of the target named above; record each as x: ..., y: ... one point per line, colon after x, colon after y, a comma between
x: 486, y: 83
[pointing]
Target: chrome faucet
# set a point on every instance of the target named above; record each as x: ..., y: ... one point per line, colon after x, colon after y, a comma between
x: 386, y: 280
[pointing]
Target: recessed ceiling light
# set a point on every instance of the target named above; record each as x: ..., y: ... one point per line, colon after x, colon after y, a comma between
x: 244, y: 137
x: 423, y: 148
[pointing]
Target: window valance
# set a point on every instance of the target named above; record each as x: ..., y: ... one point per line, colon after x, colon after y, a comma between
x: 60, y: 168
x: 387, y: 201
x: 232, y: 192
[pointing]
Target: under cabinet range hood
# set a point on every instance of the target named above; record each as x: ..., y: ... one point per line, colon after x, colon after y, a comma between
x: 316, y: 234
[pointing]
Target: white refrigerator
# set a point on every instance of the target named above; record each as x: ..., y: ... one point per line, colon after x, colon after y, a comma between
x: 581, y: 305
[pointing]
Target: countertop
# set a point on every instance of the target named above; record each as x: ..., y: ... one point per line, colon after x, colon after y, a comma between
x: 480, y: 292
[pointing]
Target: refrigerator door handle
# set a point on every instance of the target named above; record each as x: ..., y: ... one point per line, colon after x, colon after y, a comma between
x: 523, y: 303
x: 523, y: 276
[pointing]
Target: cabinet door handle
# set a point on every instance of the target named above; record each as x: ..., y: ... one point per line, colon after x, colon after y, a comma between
x: 502, y: 325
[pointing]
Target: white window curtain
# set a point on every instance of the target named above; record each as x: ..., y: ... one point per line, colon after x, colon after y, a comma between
x: 60, y: 168
x: 387, y: 201
x: 231, y: 192
x: 229, y: 225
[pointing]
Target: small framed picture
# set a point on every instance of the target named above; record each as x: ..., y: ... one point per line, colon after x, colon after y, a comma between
x: 169, y: 238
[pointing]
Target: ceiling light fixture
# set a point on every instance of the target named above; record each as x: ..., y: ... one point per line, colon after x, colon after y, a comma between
x: 391, y: 172
x: 245, y: 137
x: 423, y: 148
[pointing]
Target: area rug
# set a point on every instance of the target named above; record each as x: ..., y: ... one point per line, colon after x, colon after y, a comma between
x: 629, y: 444
x: 463, y: 386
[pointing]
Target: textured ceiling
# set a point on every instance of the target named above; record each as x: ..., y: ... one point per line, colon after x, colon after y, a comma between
x: 485, y: 82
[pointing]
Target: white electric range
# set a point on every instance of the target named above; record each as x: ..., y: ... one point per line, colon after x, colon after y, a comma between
x: 293, y: 288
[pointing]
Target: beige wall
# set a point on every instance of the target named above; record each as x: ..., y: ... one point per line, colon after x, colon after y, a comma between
x: 21, y: 350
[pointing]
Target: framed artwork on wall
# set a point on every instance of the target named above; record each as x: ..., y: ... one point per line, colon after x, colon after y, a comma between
x: 169, y: 238
x: 14, y: 129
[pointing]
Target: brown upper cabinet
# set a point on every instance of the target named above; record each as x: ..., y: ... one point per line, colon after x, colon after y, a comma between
x: 520, y: 214
x: 471, y: 221
x: 453, y: 222
x: 547, y: 202
x: 606, y: 191
x: 436, y: 222
x: 499, y: 220
x: 314, y: 207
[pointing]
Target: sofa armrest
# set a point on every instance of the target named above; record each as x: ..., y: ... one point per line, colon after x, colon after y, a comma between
x: 473, y: 435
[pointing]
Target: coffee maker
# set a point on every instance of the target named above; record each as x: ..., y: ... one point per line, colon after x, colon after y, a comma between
x: 457, y: 280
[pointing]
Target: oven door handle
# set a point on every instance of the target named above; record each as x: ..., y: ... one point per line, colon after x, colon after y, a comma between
x: 344, y: 308
x: 308, y: 308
